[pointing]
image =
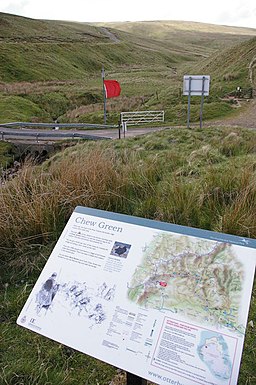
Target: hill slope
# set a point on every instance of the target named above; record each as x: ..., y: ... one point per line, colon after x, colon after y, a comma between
x: 51, y: 69
x: 186, y: 34
x: 44, y: 50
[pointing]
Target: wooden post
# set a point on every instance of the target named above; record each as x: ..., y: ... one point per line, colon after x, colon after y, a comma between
x: 132, y: 379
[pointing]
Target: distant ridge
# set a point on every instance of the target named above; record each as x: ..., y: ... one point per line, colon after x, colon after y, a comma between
x: 167, y: 25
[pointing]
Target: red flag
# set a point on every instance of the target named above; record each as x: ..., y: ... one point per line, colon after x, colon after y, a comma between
x: 112, y: 88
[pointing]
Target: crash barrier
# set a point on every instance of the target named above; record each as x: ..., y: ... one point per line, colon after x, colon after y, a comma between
x: 18, y: 130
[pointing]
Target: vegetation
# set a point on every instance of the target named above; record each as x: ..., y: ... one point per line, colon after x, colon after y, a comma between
x: 51, y: 69
x: 6, y: 154
x: 200, y: 178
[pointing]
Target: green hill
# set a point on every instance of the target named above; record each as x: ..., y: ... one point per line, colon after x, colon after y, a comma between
x: 51, y: 69
x: 33, y: 50
x: 186, y: 35
x: 235, y: 66
x: 203, y: 178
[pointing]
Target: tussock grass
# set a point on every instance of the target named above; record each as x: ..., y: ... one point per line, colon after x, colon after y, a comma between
x: 200, y: 178
x: 37, y: 204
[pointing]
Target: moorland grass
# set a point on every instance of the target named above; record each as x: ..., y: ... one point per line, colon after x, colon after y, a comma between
x: 52, y: 70
x: 200, y: 178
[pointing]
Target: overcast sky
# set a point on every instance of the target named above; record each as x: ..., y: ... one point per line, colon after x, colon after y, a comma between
x: 227, y: 12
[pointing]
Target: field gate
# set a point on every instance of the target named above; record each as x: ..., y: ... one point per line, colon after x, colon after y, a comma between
x: 139, y: 117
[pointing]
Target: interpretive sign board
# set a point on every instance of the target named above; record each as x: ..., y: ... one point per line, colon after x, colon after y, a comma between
x: 165, y: 302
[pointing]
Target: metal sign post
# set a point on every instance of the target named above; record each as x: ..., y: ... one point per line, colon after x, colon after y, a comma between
x: 202, y: 102
x: 189, y: 100
x: 132, y: 379
x: 104, y: 95
x: 196, y: 85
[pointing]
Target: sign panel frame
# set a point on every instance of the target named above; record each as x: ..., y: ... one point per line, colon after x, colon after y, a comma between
x: 196, y: 85
x: 152, y: 298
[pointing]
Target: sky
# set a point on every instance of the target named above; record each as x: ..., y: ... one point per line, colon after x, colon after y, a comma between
x: 241, y: 13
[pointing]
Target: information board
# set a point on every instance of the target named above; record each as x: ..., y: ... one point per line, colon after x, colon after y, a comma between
x: 165, y: 302
x: 196, y: 85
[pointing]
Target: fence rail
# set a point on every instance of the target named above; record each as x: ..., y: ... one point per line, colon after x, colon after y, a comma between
x: 141, y: 117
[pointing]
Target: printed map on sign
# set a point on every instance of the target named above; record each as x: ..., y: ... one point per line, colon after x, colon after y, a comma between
x: 200, y: 279
x: 213, y: 351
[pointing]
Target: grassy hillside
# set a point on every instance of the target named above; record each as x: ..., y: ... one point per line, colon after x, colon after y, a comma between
x: 228, y: 69
x: 33, y: 50
x: 231, y: 68
x: 200, y: 178
x: 52, y: 69
x: 187, y: 36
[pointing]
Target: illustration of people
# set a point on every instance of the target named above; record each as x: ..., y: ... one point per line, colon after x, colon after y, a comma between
x: 82, y: 305
x: 110, y: 294
x: 98, y: 315
x: 47, y: 293
x: 101, y: 289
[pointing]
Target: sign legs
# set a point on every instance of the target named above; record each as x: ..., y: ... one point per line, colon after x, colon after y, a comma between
x: 104, y: 95
x: 202, y: 103
x: 189, y: 103
x: 132, y: 379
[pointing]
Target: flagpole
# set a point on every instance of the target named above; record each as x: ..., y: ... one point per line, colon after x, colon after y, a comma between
x: 104, y: 95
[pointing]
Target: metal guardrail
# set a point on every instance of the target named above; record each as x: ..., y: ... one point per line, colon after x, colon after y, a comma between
x: 5, y: 130
x: 49, y: 134
x: 59, y: 125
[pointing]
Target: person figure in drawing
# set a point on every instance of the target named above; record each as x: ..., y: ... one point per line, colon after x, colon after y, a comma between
x: 102, y: 289
x: 110, y: 293
x: 47, y: 293
x: 98, y: 315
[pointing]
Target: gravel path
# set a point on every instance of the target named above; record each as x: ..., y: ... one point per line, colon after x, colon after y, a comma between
x: 247, y: 117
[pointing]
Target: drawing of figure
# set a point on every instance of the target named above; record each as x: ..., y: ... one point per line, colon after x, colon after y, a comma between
x: 70, y: 291
x: 98, y: 315
x: 101, y: 289
x: 82, y: 304
x: 47, y: 293
x: 110, y: 293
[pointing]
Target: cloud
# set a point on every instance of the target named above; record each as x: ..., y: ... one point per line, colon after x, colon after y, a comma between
x: 230, y: 12
x: 241, y: 14
x: 17, y: 7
